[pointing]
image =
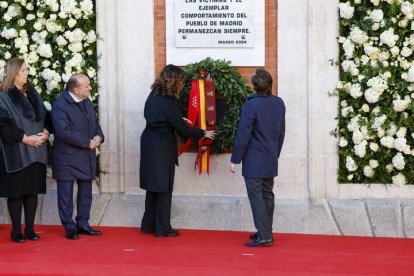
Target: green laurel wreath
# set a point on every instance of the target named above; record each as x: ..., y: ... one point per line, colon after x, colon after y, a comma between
x: 229, y: 84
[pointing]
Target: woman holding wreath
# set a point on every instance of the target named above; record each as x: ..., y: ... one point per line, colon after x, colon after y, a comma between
x: 159, y: 153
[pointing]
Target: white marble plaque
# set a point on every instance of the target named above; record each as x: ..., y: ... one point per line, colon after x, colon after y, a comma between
x: 214, y: 23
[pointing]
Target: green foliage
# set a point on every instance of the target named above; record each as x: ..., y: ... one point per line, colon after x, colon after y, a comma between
x: 230, y: 84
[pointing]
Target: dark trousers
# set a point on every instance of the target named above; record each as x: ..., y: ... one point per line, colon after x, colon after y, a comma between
x: 262, y: 202
x: 15, y: 205
x: 157, y: 215
x: 83, y: 203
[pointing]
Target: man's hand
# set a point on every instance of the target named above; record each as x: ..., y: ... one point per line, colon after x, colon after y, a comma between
x: 232, y: 168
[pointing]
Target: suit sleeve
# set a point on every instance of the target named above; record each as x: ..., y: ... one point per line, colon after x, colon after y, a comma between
x: 175, y: 118
x: 282, y: 131
x: 244, y: 131
x: 64, y: 128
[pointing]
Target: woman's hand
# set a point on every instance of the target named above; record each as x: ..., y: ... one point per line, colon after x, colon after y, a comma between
x: 210, y: 134
x: 32, y: 140
x: 44, y: 136
x: 187, y: 121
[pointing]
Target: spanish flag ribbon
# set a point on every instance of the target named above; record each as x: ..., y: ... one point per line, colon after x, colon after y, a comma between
x: 202, y: 109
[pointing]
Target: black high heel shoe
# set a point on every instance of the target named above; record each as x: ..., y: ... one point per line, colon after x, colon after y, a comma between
x: 31, y: 235
x: 19, y: 238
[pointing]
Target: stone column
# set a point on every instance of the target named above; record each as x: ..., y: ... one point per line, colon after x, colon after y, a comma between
x: 126, y: 62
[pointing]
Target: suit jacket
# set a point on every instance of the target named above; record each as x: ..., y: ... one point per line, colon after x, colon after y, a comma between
x: 260, y: 136
x: 159, y: 143
x: 74, y: 127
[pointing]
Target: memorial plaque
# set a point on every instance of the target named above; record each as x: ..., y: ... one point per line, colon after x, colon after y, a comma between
x: 214, y: 23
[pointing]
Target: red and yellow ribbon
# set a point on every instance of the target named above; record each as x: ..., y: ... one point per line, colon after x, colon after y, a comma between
x: 202, y: 109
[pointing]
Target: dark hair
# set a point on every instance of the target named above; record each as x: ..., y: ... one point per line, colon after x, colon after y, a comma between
x: 262, y: 82
x: 73, y: 81
x: 170, y: 81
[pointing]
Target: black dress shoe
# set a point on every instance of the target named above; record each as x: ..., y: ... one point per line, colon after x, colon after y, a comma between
x: 146, y: 231
x: 258, y: 242
x: 31, y: 235
x: 19, y: 238
x: 88, y: 231
x: 171, y: 233
x: 71, y: 235
x: 253, y: 236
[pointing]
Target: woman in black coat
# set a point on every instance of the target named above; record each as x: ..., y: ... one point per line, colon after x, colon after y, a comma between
x: 23, y: 151
x: 159, y: 149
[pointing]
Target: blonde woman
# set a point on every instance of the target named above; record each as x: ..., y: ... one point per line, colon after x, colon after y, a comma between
x: 23, y: 149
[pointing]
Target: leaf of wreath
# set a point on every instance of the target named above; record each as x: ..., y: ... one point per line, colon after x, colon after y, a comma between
x: 230, y: 84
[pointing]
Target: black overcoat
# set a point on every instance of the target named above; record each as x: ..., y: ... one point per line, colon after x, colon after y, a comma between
x: 74, y: 126
x: 159, y: 142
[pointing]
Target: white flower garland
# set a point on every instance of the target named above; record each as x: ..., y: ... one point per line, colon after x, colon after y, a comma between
x: 376, y: 91
x: 56, y: 38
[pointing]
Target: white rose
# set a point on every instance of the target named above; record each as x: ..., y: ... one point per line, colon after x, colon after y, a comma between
x: 373, y: 163
x: 389, y: 38
x: 30, y: 17
x: 368, y: 171
x: 387, y: 141
x: 399, y: 180
x: 398, y: 161
x: 72, y: 22
x: 365, y: 108
x: 406, y: 52
x: 401, y: 132
x: 355, y: 91
x: 29, y: 7
x: 91, y: 37
x: 350, y: 164
x: 360, y: 149
x: 358, y: 36
x: 400, y: 144
x: 373, y: 146
x: 346, y: 11
x: 4, y: 4
x: 376, y: 15
x: 343, y: 142
x: 389, y: 168
x: 61, y: 41
x: 349, y: 177
x: 45, y: 50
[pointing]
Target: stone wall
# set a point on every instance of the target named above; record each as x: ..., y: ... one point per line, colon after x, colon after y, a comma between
x: 308, y: 197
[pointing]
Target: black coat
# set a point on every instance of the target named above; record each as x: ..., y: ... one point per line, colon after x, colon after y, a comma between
x: 159, y: 153
x: 74, y: 127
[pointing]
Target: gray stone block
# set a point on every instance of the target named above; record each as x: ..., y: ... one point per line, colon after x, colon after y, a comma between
x: 303, y: 216
x: 99, y: 204
x: 49, y: 211
x: 408, y: 217
x: 352, y: 217
x: 4, y: 213
x: 124, y: 210
x: 385, y: 217
x: 207, y: 212
x: 247, y: 216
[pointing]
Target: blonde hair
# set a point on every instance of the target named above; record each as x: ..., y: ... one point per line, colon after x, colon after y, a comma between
x: 11, y: 70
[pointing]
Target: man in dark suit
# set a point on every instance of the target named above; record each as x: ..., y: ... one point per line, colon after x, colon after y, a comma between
x: 257, y: 145
x: 77, y: 135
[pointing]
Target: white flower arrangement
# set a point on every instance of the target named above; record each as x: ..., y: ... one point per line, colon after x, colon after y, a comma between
x: 56, y: 38
x: 376, y: 92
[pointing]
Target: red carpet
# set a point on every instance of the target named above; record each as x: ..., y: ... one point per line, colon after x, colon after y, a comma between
x: 124, y: 251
